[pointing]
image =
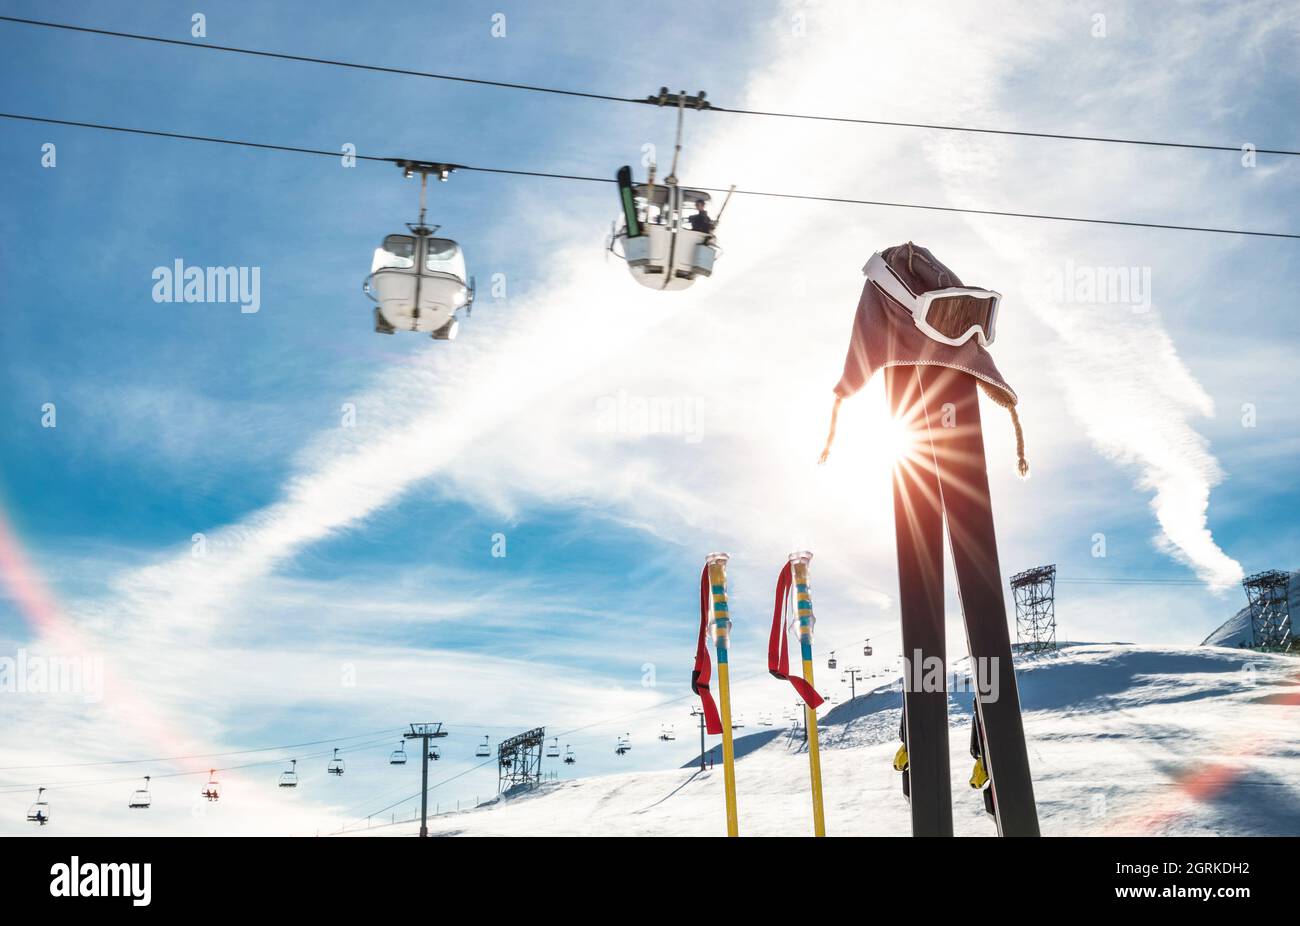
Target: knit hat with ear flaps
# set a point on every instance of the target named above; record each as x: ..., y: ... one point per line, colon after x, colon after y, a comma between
x: 884, y: 335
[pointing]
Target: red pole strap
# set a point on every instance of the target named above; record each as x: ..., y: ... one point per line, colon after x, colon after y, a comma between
x: 703, y: 665
x: 778, y: 644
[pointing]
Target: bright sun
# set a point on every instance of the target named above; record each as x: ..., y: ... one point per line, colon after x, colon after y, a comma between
x: 896, y: 438
x: 877, y: 441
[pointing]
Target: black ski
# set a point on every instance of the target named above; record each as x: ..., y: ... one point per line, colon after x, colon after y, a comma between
x: 948, y: 477
x: 963, y: 477
x: 918, y: 527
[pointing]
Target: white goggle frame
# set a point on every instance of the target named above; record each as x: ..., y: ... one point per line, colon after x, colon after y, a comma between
x: 888, y: 282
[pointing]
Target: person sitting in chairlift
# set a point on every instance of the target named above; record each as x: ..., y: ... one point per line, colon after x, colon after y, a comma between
x: 701, y: 222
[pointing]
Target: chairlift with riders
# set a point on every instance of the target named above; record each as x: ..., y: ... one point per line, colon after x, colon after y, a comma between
x: 665, y: 247
x: 212, y: 790
x: 39, y: 812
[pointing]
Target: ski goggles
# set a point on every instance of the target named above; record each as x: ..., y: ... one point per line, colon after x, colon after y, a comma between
x: 951, y: 316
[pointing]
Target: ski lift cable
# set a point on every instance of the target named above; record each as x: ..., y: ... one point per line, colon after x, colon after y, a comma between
x: 382, y: 795
x: 309, y: 59
x: 806, y: 197
x: 460, y: 774
x: 654, y: 707
x: 584, y: 94
x: 89, y: 783
x: 201, y: 755
x: 1128, y: 580
x: 1060, y: 136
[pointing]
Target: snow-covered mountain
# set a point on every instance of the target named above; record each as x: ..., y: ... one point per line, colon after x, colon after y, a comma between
x: 1122, y: 739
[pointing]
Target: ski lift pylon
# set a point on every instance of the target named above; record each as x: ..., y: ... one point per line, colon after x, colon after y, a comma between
x: 418, y: 282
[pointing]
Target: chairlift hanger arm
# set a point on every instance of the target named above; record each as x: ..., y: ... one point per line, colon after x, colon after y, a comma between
x: 680, y: 99
x: 424, y: 168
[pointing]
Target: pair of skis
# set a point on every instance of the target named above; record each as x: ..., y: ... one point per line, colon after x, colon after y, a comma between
x: 944, y: 476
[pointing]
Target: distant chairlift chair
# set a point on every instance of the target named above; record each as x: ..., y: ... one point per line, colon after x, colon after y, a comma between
x: 336, y: 765
x: 141, y: 799
x: 39, y: 812
x: 212, y: 790
x: 289, y: 779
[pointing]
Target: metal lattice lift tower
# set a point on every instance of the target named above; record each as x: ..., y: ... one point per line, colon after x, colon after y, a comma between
x: 519, y: 760
x: 1270, y: 613
x: 1034, y: 591
x: 424, y: 732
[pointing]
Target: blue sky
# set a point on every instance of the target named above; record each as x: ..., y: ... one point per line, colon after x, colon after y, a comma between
x: 370, y: 546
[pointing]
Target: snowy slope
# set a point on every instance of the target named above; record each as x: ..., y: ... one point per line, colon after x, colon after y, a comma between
x: 1237, y: 631
x: 1123, y: 739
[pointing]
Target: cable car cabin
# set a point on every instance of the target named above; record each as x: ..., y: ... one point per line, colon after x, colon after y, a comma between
x: 666, y: 238
x: 399, y: 755
x: 866, y: 649
x: 39, y: 812
x: 289, y: 779
x: 336, y: 765
x: 831, y: 662
x: 141, y: 799
x: 419, y: 283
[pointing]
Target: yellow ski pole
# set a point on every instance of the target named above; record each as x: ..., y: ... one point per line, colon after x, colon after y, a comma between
x: 803, y: 597
x: 717, y: 566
